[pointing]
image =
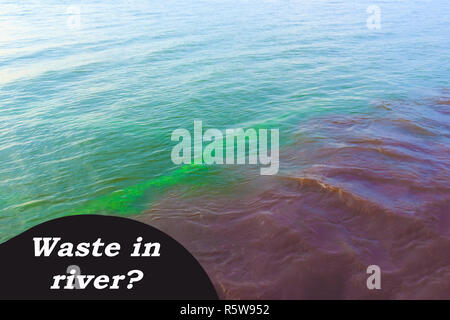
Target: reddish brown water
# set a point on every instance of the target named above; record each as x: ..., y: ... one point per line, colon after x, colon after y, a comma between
x: 360, y: 190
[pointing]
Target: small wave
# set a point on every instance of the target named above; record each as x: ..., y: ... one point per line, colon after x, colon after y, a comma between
x: 374, y: 191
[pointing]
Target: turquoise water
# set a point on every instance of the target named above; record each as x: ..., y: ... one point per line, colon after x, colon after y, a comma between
x: 86, y: 112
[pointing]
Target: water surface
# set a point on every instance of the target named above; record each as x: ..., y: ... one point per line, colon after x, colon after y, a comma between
x: 86, y: 114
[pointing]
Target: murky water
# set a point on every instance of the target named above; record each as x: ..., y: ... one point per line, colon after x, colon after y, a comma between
x: 91, y: 91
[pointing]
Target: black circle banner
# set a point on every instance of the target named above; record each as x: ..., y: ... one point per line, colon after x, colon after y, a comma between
x: 99, y: 257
